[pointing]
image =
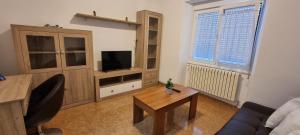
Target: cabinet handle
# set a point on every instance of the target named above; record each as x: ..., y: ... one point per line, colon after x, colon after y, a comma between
x: 111, y: 91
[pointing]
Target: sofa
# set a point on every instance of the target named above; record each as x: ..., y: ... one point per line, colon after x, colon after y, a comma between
x: 249, y: 120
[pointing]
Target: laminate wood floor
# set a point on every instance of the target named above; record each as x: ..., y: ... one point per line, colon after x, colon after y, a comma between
x: 113, y: 116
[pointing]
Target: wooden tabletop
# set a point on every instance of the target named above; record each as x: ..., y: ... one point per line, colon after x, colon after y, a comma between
x: 158, y: 98
x: 14, y: 88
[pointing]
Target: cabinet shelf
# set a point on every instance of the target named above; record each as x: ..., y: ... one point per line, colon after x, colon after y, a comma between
x: 153, y: 29
x: 41, y: 52
x: 75, y: 51
x: 152, y: 42
x: 106, y: 19
x: 116, y: 77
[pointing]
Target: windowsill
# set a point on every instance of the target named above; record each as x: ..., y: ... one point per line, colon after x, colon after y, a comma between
x: 243, y: 73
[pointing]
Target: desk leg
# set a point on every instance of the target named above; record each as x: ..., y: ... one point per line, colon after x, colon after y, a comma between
x: 193, y: 107
x: 159, y: 123
x: 138, y: 114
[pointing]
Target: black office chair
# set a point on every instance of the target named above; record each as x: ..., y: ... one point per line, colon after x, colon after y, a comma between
x: 45, y: 101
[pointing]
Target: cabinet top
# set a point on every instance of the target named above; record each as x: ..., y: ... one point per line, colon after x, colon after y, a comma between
x: 47, y: 29
x: 14, y: 88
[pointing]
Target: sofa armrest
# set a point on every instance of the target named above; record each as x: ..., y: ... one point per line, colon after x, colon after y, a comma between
x: 259, y: 108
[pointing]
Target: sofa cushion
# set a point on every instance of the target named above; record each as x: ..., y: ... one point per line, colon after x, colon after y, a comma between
x: 289, y: 124
x: 262, y: 130
x: 280, y: 114
x: 249, y: 120
x: 250, y: 117
x: 235, y: 127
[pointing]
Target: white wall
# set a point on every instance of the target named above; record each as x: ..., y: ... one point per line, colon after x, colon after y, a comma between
x: 276, y: 75
x: 175, y: 39
x: 106, y: 36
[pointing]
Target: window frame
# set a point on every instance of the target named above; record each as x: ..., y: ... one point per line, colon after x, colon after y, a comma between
x: 221, y: 7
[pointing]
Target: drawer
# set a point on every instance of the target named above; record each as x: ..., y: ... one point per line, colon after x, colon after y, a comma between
x: 131, y: 86
x: 150, y: 82
x: 120, y: 88
x: 151, y: 75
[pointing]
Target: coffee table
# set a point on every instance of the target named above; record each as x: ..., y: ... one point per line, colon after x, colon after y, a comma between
x: 156, y: 102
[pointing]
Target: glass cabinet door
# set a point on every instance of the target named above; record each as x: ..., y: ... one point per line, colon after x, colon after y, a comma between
x: 152, y: 49
x: 41, y: 50
x: 74, y: 50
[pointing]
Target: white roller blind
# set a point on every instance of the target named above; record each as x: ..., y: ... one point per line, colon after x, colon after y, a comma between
x: 237, y: 35
x: 206, y: 36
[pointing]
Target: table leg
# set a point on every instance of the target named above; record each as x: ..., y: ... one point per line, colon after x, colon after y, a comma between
x: 138, y: 114
x: 193, y: 107
x: 159, y: 123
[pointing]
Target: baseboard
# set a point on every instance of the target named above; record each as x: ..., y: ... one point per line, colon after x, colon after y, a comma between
x: 76, y: 104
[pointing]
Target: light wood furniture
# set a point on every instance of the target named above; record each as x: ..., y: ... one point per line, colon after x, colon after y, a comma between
x: 157, y: 102
x: 14, y: 99
x: 148, y: 45
x: 44, y: 52
x: 86, y: 16
x: 117, y: 82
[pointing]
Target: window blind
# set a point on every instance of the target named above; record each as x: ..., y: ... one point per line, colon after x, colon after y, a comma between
x: 206, y: 36
x: 226, y: 39
x: 236, y: 38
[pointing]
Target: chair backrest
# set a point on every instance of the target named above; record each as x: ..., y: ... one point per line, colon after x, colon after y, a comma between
x: 45, y: 101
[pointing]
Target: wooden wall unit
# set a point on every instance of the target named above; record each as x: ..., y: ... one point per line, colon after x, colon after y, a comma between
x: 148, y: 45
x: 44, y: 52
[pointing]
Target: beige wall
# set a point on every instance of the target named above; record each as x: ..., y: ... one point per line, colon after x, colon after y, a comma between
x: 176, y: 39
x: 106, y: 36
x: 276, y: 75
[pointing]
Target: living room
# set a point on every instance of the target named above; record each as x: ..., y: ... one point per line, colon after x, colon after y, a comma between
x: 149, y: 67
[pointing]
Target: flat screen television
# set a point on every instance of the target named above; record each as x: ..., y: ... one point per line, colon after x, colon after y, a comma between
x: 115, y: 60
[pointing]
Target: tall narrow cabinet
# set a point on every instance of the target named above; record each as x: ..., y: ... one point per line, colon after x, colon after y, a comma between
x: 44, y: 52
x: 148, y: 45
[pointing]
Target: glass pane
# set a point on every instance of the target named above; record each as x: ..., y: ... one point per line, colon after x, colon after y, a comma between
x: 206, y: 36
x: 74, y: 44
x: 236, y: 39
x: 152, y: 39
x: 75, y: 59
x: 151, y: 63
x: 151, y: 51
x: 152, y: 43
x: 40, y: 43
x: 46, y: 60
x: 153, y: 23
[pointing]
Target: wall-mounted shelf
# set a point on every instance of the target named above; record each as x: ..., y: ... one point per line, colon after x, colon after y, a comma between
x: 106, y: 19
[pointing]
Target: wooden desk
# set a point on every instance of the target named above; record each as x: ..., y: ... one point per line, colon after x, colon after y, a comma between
x: 157, y: 102
x: 14, y: 98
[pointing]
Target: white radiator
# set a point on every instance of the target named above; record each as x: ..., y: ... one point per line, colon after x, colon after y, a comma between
x: 213, y: 81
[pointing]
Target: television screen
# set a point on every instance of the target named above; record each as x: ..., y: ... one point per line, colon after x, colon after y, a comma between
x: 116, y: 60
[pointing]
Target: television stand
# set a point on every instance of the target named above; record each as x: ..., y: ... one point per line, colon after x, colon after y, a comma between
x: 116, y: 82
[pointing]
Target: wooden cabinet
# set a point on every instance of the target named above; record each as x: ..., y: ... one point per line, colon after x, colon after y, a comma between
x: 148, y: 45
x: 44, y: 52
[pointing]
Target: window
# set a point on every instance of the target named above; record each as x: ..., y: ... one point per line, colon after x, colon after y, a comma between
x: 224, y: 37
x: 205, y: 43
